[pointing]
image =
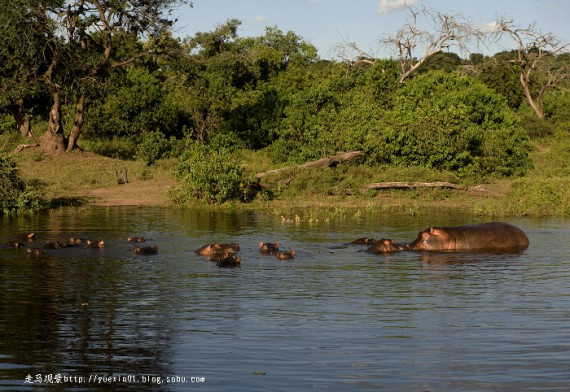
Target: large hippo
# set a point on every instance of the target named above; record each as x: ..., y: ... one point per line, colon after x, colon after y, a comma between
x: 492, y: 236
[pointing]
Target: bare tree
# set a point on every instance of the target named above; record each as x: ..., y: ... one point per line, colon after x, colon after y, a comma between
x: 443, y: 31
x: 536, y: 59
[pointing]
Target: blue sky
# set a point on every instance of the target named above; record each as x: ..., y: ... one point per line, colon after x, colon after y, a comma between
x: 325, y: 23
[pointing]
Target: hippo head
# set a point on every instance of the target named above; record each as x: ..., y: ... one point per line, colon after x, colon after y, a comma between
x: 384, y: 245
x: 432, y: 238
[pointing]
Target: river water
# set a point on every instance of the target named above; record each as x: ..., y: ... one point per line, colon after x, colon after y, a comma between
x: 336, y: 318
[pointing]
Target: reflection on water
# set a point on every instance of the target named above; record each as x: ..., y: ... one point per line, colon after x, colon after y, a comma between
x: 335, y: 318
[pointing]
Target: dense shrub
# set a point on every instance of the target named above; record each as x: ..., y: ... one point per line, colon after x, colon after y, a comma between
x: 535, y: 127
x: 152, y: 147
x: 210, y: 175
x: 15, y: 194
x: 450, y: 122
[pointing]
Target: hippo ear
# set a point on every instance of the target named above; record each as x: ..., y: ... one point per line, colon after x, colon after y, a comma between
x: 437, y: 232
x: 261, y: 244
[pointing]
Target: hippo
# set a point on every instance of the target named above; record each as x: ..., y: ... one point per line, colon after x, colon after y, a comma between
x: 146, y: 250
x: 26, y: 237
x: 267, y: 248
x: 225, y: 258
x: 36, y: 252
x: 55, y: 245
x: 136, y: 239
x: 384, y: 245
x: 14, y: 244
x: 217, y: 248
x: 363, y: 241
x: 229, y: 260
x: 94, y: 244
x: 492, y: 236
x: 74, y: 241
x: 286, y: 255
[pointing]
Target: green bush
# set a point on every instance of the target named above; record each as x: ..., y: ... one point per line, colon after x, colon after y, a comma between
x: 536, y: 127
x: 15, y: 194
x: 213, y: 175
x: 454, y: 123
x: 153, y: 146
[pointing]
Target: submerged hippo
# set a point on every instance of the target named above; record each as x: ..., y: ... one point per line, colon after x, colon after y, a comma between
x: 146, y: 250
x: 363, y: 241
x: 267, y: 248
x: 286, y: 255
x: 492, y: 236
x: 217, y: 248
x: 225, y: 258
x: 384, y: 245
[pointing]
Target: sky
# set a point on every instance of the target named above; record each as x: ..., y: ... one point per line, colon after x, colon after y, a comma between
x: 326, y: 23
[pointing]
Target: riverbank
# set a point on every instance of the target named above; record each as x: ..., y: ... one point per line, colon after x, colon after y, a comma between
x: 85, y: 178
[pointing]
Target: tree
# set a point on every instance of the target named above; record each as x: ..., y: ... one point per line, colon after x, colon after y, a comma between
x: 27, y: 49
x: 536, y: 59
x: 92, y: 31
x: 233, y: 85
x: 426, y: 28
x: 446, y: 30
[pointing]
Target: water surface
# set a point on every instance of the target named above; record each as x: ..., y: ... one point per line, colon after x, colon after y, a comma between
x: 335, y: 318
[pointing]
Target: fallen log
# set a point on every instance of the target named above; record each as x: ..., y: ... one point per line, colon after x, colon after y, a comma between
x: 22, y: 147
x: 438, y: 184
x: 328, y: 161
x: 409, y: 185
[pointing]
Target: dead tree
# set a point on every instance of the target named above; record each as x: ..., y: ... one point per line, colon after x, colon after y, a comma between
x: 431, y: 30
x: 536, y: 59
x: 442, y: 31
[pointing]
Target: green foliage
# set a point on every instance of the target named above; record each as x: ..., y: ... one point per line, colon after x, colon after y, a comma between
x: 535, y: 127
x: 15, y: 194
x: 443, y: 61
x: 7, y: 123
x: 152, y: 147
x: 503, y: 77
x: 136, y: 103
x: 557, y: 107
x: 453, y: 123
x: 539, y: 197
x: 211, y: 175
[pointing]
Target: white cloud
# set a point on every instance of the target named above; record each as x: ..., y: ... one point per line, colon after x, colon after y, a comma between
x: 489, y: 27
x: 386, y: 6
x: 261, y: 19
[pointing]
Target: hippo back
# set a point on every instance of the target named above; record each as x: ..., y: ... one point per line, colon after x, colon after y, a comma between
x: 492, y: 236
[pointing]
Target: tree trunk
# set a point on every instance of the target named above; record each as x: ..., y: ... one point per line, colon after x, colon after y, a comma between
x: 536, y: 106
x: 77, y: 123
x: 22, y: 119
x: 53, y: 140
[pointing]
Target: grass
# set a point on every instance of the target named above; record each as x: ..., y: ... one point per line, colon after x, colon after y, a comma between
x: 85, y: 177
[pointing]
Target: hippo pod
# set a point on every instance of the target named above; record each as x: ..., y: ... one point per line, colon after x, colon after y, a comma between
x: 492, y: 236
